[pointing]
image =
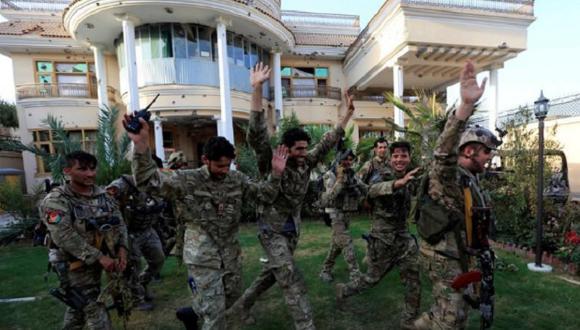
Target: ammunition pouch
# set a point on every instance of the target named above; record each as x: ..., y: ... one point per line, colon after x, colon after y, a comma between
x: 102, y: 225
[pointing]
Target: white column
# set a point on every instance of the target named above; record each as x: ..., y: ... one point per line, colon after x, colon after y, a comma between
x: 159, y: 150
x: 226, y: 119
x: 101, y: 73
x: 131, y: 64
x: 398, y: 89
x: 278, y: 99
x: 493, y: 99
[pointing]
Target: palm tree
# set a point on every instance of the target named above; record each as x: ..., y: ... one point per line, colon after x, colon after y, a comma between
x: 110, y: 151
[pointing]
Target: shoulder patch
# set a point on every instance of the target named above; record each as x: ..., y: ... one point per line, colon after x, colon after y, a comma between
x: 53, y: 217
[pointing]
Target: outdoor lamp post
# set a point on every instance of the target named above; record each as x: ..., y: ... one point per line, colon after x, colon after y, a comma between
x: 540, y: 111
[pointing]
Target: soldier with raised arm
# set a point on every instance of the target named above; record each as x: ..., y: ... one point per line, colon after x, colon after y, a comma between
x: 211, y: 198
x: 454, y: 200
x: 390, y: 242
x: 279, y: 220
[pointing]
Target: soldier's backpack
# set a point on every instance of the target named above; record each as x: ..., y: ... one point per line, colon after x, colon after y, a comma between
x: 433, y: 219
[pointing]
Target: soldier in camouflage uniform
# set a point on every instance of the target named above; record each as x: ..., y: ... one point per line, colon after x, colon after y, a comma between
x: 140, y: 211
x: 343, y: 194
x: 459, y: 156
x: 279, y: 220
x: 211, y: 198
x: 390, y: 243
x: 379, y: 162
x: 88, y: 235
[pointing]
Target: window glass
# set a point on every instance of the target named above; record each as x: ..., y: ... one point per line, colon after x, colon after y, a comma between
x: 204, y: 41
x: 321, y: 72
x: 71, y: 67
x: 254, y: 55
x: 44, y: 66
x: 239, y: 50
x: 144, y: 39
x: 266, y: 57
x: 44, y: 79
x: 247, y: 58
x: 43, y: 136
x: 214, y: 45
x: 71, y: 79
x: 286, y: 71
x: 304, y: 72
x: 230, y: 42
x: 179, y: 41
x: 155, y: 41
x: 75, y: 136
x: 166, y: 41
x: 191, y: 34
x: 167, y: 139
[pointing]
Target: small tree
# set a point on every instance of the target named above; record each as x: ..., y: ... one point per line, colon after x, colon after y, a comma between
x: 8, y: 115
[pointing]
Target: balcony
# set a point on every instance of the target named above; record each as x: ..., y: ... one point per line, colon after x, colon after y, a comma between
x: 35, y: 5
x: 55, y: 90
x: 311, y: 92
x: 30, y: 91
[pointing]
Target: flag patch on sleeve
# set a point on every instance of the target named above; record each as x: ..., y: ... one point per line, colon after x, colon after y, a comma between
x: 53, y: 217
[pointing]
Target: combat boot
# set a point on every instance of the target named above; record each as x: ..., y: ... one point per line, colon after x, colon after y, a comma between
x: 326, y: 276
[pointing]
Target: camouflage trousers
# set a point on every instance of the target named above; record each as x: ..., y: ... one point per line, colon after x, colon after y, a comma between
x: 214, y: 291
x: 145, y: 244
x: 449, y: 310
x: 386, y: 251
x: 94, y: 315
x: 281, y: 268
x: 341, y: 242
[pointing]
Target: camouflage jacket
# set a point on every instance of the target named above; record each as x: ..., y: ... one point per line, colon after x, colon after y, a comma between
x: 283, y: 214
x: 375, y: 165
x: 390, y: 206
x: 447, y: 179
x: 140, y: 210
x: 211, y: 209
x: 73, y: 221
x: 345, y: 195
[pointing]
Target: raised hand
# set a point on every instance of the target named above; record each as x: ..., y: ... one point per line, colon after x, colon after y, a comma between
x: 408, y: 177
x: 279, y: 159
x: 470, y: 91
x: 259, y: 74
x: 349, y: 109
x: 140, y: 140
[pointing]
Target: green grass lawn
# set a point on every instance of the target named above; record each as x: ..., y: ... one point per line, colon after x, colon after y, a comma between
x: 524, y: 300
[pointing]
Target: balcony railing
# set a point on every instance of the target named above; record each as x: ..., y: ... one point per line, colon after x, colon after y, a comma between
x: 35, y: 5
x: 310, y: 92
x: 55, y: 90
x: 521, y: 7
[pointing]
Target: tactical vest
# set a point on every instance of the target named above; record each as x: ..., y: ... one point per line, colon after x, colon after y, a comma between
x: 434, y: 220
x: 349, y: 198
x: 94, y: 219
x: 140, y: 209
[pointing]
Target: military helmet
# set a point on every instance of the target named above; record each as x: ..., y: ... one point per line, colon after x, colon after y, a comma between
x: 478, y: 134
x: 176, y: 157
